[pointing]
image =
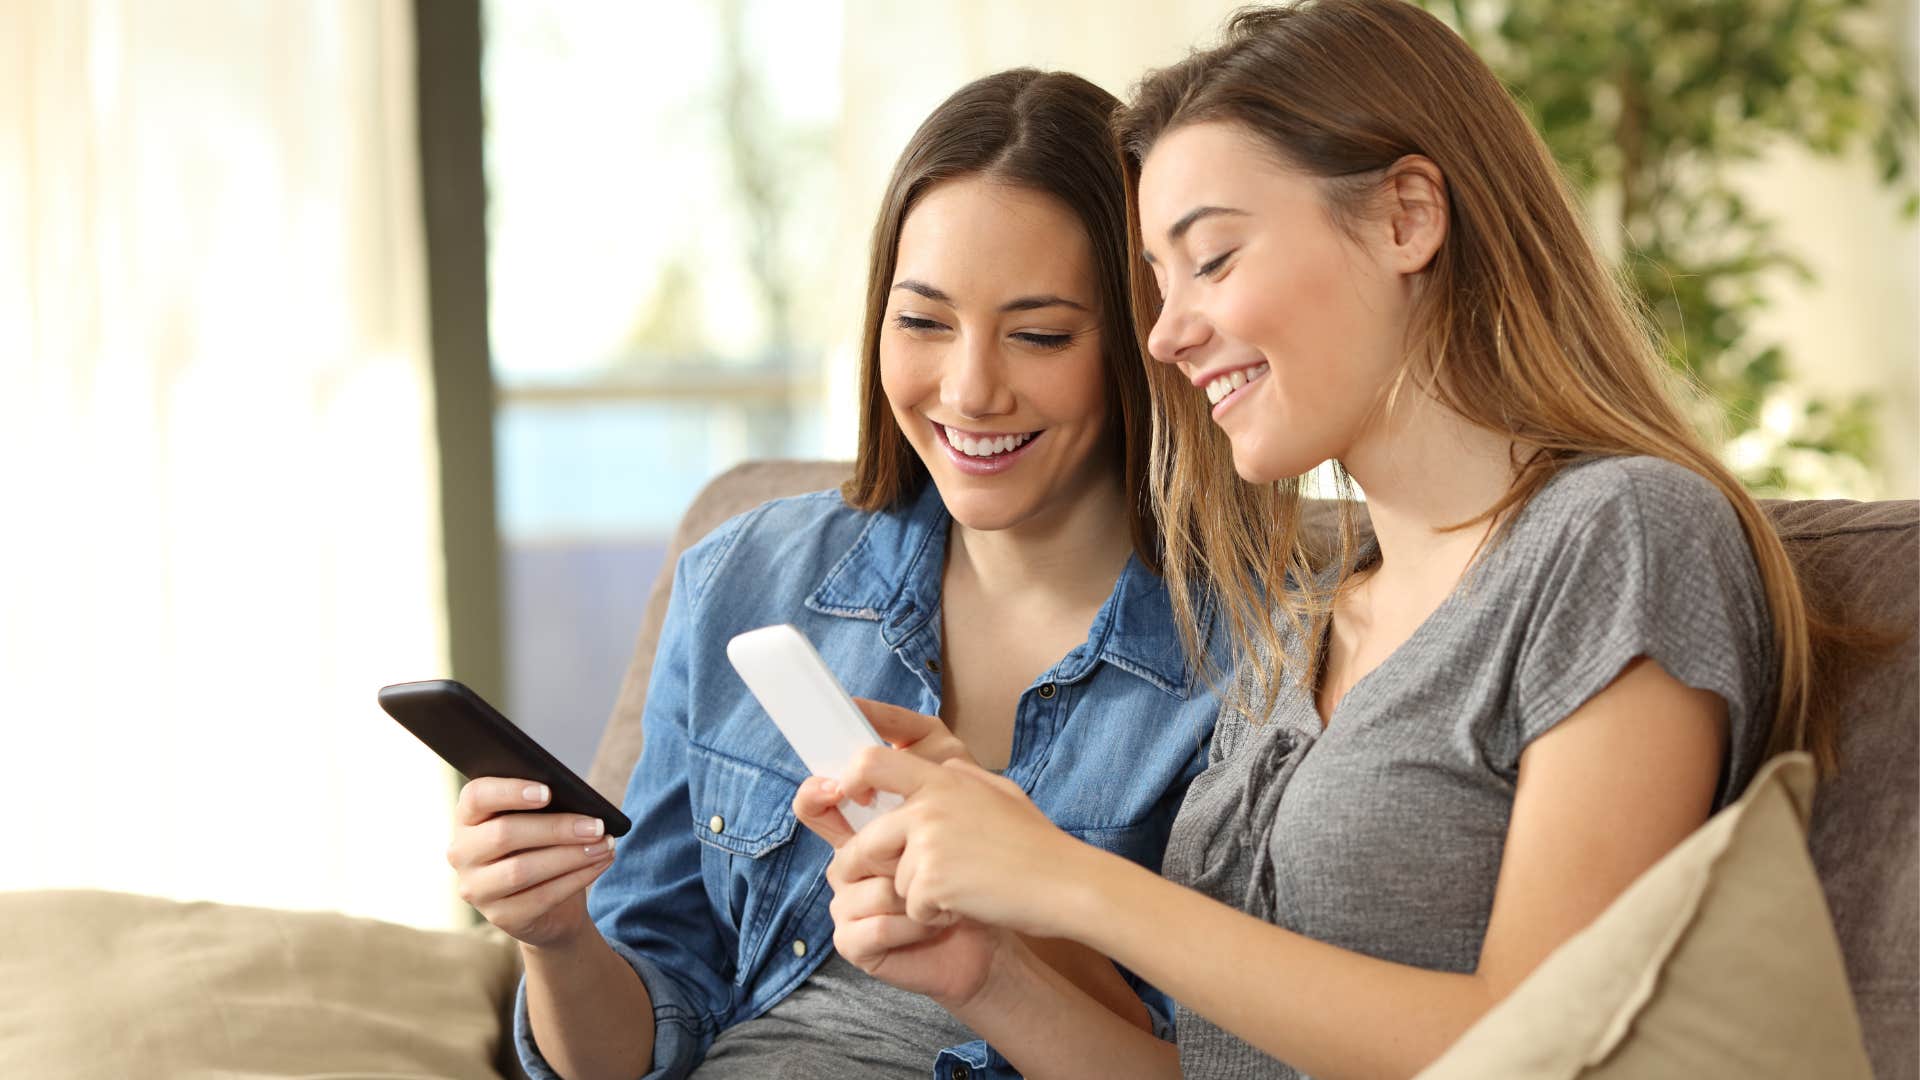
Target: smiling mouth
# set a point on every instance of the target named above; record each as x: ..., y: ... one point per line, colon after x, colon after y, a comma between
x: 984, y: 445
x: 1221, y: 386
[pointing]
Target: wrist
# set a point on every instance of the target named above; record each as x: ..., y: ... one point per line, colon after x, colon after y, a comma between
x: 1011, y: 968
x: 569, y: 947
x: 1082, y: 909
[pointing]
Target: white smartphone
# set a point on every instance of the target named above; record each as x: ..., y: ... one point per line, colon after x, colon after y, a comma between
x: 809, y: 706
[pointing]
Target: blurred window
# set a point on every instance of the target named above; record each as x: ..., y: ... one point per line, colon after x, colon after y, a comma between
x: 658, y: 181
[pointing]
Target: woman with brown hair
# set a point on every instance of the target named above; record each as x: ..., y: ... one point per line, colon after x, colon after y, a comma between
x: 991, y: 562
x: 1570, y: 639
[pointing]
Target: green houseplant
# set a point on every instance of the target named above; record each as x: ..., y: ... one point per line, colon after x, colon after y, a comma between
x: 1650, y: 106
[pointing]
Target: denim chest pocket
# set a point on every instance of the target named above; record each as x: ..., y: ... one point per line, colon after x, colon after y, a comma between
x: 743, y: 820
x: 739, y: 807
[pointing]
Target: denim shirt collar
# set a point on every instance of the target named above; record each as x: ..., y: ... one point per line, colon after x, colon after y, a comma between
x: 892, y: 575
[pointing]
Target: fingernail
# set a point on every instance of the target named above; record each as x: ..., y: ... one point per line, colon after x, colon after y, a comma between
x: 536, y: 793
x: 830, y: 789
x: 600, y: 848
x: 589, y: 828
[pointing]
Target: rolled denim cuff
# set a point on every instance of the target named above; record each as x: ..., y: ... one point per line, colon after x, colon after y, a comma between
x: 682, y: 1031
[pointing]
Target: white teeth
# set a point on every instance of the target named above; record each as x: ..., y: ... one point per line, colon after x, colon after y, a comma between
x: 981, y: 448
x: 1219, y: 388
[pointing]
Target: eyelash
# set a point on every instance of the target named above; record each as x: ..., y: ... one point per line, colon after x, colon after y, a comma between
x: 1048, y: 342
x: 1213, y: 265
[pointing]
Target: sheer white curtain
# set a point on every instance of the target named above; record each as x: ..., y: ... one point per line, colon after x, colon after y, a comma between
x: 218, y: 523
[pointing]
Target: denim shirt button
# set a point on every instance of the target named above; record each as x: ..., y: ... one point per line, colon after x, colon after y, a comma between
x: 716, y: 824
x: 1047, y: 690
x: 799, y: 948
x: 961, y: 1072
x: 933, y: 665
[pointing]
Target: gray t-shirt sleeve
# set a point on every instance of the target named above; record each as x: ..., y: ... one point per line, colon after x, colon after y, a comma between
x: 1652, y: 561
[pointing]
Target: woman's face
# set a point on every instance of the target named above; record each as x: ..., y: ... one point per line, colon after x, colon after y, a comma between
x: 990, y: 354
x: 1292, y: 329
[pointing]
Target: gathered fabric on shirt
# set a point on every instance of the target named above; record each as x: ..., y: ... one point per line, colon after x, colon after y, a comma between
x: 1382, y: 833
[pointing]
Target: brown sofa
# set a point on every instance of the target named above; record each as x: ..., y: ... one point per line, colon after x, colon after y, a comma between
x: 1866, y: 822
x: 86, y: 979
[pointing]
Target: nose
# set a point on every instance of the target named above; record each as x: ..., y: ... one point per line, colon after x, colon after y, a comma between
x: 973, y: 384
x: 1177, y: 332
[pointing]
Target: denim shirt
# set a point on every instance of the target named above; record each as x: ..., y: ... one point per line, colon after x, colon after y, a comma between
x: 718, y: 897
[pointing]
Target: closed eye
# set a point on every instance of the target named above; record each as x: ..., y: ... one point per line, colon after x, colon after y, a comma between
x: 1049, y: 342
x: 1212, y: 266
x: 914, y: 322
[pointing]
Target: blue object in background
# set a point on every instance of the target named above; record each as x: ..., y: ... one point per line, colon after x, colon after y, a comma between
x: 589, y: 492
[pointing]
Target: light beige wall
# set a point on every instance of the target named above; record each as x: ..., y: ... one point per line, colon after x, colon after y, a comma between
x: 1856, y: 328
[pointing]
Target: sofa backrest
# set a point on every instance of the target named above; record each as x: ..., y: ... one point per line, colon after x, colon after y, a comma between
x: 1862, y: 560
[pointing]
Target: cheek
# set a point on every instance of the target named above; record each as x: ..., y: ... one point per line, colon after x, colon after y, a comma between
x: 1077, y: 388
x: 1317, y: 331
x: 1288, y: 313
x: 900, y: 378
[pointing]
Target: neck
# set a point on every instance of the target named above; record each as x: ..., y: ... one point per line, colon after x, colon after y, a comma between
x: 1423, y: 469
x: 1072, y: 553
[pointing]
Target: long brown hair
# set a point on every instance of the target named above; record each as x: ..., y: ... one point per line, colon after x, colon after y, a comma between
x: 1521, y: 328
x: 1047, y: 131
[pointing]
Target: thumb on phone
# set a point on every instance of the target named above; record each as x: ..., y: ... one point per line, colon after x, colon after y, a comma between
x: 817, y: 806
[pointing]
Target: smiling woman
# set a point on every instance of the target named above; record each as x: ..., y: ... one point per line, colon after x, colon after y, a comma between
x: 988, y: 571
x: 1569, y: 639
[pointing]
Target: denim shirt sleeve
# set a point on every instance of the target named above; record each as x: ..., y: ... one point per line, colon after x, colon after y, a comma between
x: 651, y: 905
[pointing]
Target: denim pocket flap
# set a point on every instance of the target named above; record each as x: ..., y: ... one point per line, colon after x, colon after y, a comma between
x: 739, y: 807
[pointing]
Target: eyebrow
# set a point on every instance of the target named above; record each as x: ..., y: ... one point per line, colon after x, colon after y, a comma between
x: 1024, y: 303
x: 1198, y: 214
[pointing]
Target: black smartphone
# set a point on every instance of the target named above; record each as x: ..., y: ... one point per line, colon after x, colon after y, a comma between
x: 474, y: 738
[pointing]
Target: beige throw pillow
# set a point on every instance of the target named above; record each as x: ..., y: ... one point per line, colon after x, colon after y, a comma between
x: 1720, y: 961
x: 97, y: 984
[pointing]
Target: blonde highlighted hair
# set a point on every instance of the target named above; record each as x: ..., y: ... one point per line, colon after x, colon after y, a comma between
x: 1521, y: 328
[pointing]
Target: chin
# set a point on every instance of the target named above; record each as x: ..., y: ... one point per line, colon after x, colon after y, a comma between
x: 978, y: 511
x: 1272, y: 464
x: 982, y: 519
x: 1257, y: 468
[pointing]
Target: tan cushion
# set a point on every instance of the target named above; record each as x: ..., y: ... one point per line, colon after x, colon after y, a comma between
x: 98, y: 984
x: 1720, y: 961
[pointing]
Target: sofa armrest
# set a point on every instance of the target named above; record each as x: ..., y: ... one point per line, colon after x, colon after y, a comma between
x: 102, y: 984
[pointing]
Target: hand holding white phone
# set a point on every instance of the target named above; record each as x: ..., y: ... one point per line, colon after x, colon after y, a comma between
x: 809, y: 706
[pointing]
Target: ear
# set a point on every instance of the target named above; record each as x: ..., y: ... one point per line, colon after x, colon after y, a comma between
x: 1416, y: 213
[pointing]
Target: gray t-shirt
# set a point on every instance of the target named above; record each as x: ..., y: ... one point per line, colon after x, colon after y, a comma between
x: 841, y: 1022
x: 1383, y: 833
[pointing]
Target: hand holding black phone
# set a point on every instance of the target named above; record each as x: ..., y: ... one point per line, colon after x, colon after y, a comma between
x: 475, y: 739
